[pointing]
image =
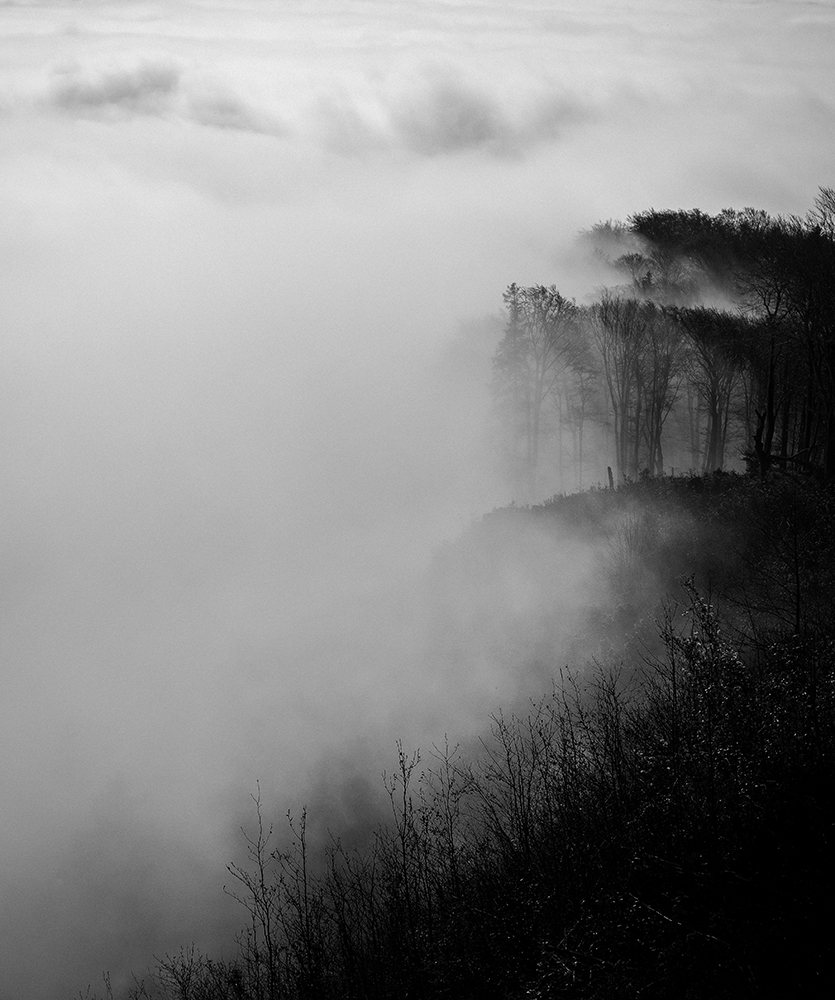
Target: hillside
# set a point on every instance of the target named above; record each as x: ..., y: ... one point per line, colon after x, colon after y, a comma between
x: 657, y: 823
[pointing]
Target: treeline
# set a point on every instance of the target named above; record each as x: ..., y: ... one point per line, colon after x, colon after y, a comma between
x: 660, y: 826
x: 716, y: 342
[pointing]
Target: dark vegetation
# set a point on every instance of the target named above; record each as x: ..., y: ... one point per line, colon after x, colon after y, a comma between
x: 660, y: 824
x: 713, y: 341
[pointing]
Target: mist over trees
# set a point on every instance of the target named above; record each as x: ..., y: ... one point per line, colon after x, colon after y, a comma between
x: 659, y: 823
x: 656, y: 824
x: 541, y: 350
x: 713, y: 347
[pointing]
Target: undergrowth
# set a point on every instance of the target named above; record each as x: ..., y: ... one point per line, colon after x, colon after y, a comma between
x: 656, y: 828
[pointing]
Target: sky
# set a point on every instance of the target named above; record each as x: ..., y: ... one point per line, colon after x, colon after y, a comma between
x: 239, y: 242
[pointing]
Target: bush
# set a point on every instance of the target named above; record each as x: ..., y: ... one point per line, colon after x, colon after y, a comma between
x: 661, y: 827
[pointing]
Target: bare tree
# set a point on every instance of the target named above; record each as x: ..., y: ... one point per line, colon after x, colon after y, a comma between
x: 542, y: 340
x: 659, y: 379
x: 618, y: 331
x: 714, y: 372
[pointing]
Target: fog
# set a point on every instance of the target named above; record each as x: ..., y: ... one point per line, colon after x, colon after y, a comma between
x: 239, y: 242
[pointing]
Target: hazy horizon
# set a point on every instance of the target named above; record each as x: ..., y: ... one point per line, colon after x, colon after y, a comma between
x: 238, y: 241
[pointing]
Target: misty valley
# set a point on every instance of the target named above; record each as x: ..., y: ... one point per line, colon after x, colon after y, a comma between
x: 417, y: 447
x: 613, y: 762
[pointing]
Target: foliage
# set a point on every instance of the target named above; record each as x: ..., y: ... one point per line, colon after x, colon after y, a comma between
x: 724, y: 323
x: 654, y: 827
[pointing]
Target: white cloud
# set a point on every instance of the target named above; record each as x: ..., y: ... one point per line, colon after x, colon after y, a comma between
x: 148, y: 88
x: 153, y: 87
x: 232, y: 234
x: 431, y: 112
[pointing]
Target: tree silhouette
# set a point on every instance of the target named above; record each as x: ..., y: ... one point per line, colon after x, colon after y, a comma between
x: 541, y: 342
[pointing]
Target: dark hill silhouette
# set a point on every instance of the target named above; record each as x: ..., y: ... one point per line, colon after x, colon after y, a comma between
x: 659, y: 824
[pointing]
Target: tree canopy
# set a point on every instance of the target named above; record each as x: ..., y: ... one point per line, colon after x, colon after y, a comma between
x: 713, y: 346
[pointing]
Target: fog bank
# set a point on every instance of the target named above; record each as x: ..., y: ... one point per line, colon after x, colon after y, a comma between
x: 236, y: 244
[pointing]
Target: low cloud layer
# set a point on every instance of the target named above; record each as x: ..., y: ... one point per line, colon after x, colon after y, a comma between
x: 435, y: 113
x: 235, y: 239
x: 486, y: 78
x: 153, y: 88
x: 448, y: 116
x: 145, y: 89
